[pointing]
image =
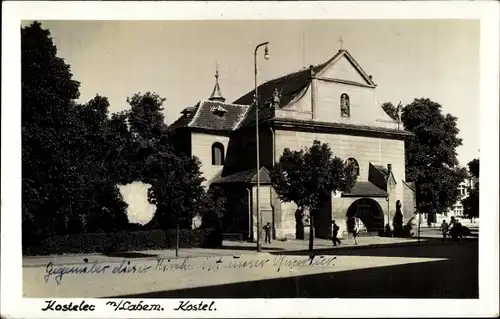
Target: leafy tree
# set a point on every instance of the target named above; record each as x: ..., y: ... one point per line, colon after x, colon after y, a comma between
x: 68, y: 182
x: 212, y: 208
x: 101, y: 205
x: 474, y: 167
x: 48, y: 94
x: 176, y: 188
x: 307, y: 178
x: 471, y: 202
x: 431, y: 158
x: 176, y: 180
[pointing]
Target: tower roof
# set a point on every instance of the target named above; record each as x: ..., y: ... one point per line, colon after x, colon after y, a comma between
x: 216, y: 94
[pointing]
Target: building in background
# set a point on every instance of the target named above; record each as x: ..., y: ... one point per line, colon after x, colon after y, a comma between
x: 333, y: 102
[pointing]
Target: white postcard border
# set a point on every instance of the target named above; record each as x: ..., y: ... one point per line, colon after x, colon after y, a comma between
x: 12, y: 305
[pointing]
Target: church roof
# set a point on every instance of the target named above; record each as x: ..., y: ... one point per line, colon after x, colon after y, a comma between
x: 365, y: 189
x: 246, y: 176
x: 212, y: 115
x: 289, y: 86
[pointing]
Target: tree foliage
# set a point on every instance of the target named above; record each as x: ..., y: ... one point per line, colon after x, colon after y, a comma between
x: 74, y: 155
x: 474, y: 167
x: 471, y: 202
x: 66, y: 186
x: 431, y: 158
x: 309, y: 176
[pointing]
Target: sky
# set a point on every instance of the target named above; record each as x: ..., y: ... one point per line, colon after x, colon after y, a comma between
x: 436, y: 59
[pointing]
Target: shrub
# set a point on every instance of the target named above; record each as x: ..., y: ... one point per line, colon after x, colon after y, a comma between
x: 109, y: 243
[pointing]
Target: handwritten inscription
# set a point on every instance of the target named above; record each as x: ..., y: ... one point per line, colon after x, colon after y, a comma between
x: 209, y: 264
x: 52, y: 305
x: 129, y: 306
x: 202, y: 306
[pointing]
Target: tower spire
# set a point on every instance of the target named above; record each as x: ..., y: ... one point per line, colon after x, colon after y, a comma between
x: 216, y: 94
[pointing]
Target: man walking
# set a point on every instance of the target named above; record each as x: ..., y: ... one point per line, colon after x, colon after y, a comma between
x: 444, y: 230
x: 267, y: 231
x: 335, y: 233
x: 355, y: 232
x: 454, y: 229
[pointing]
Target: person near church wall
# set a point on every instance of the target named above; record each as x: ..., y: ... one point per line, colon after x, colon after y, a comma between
x: 267, y: 231
x: 335, y: 233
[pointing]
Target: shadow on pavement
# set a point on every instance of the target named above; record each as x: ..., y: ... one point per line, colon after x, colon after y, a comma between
x: 455, y: 277
x: 249, y: 248
x: 429, y: 247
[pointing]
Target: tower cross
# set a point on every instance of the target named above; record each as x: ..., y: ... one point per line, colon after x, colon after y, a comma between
x: 341, y: 43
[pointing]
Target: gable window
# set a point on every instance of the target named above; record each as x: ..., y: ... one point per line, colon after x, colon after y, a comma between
x: 217, y: 154
x: 345, y: 106
x: 354, y: 165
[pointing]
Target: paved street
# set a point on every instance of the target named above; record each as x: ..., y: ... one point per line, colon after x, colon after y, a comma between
x: 387, y: 267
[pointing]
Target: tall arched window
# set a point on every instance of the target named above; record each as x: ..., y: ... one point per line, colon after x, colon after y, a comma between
x: 354, y: 164
x: 345, y: 105
x: 217, y: 154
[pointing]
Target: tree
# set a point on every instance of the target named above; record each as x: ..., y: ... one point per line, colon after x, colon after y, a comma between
x: 212, y: 208
x: 308, y: 177
x: 48, y: 95
x: 431, y: 158
x: 474, y: 167
x: 175, y: 179
x: 471, y: 202
x: 68, y: 180
x: 176, y: 188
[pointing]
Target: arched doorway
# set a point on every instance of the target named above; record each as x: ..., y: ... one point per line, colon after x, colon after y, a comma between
x: 369, y: 212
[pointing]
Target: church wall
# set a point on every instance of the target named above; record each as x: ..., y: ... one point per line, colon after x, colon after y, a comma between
x: 293, y: 114
x: 409, y: 203
x: 242, y: 151
x: 340, y: 205
x: 300, y: 110
x: 202, y: 148
x: 378, y: 151
x: 364, y: 149
x: 327, y: 103
x: 238, y: 199
x: 265, y: 208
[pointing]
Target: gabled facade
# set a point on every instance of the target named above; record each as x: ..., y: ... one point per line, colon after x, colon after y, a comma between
x: 333, y: 102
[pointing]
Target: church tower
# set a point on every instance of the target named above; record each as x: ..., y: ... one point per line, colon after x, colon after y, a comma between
x: 216, y: 94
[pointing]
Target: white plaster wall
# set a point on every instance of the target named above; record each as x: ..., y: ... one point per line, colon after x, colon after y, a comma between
x: 202, y: 148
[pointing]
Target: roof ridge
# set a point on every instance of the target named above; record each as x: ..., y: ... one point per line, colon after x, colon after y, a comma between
x: 197, y: 114
x: 229, y: 104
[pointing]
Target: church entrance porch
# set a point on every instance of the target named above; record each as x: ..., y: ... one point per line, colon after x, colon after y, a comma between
x: 367, y: 214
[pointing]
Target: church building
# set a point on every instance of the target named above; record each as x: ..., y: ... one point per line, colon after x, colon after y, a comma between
x: 333, y: 102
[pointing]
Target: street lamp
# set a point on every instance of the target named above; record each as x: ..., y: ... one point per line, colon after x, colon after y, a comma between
x: 256, y: 102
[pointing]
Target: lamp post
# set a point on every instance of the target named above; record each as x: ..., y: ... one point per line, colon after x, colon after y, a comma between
x: 256, y: 102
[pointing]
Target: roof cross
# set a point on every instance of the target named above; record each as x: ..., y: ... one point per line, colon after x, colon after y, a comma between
x: 341, y: 43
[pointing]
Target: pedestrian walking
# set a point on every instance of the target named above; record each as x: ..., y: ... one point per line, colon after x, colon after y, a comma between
x: 267, y: 231
x: 454, y: 229
x: 444, y: 230
x: 335, y: 233
x: 355, y: 232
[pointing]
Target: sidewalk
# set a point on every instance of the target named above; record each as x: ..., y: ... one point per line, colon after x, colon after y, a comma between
x: 230, y: 248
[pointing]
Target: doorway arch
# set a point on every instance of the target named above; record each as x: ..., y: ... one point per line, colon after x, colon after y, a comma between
x: 369, y: 212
